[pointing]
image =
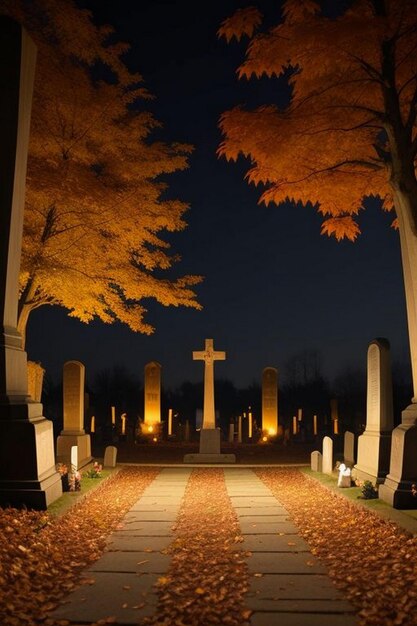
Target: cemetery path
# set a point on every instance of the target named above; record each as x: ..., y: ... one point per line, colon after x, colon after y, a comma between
x: 202, y: 547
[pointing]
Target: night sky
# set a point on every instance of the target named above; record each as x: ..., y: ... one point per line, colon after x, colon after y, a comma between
x: 273, y: 286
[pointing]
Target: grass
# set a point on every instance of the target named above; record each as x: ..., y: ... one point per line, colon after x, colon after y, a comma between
x: 69, y: 498
x: 405, y: 519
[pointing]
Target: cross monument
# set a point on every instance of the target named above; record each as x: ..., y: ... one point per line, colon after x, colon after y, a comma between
x: 209, y: 451
x: 209, y: 355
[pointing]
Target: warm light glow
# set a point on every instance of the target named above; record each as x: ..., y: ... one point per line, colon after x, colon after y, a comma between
x: 150, y: 429
x: 250, y: 425
x: 169, y: 422
x: 315, y: 424
x: 113, y: 415
x: 123, y: 416
x: 155, y: 439
x: 294, y: 425
x: 272, y: 432
x: 264, y: 439
x: 300, y: 414
x: 336, y: 426
x: 93, y: 424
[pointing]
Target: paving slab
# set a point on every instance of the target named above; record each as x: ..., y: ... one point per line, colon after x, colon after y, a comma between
x: 241, y: 501
x: 274, y: 543
x: 146, y: 529
x: 294, y: 587
x: 262, y: 510
x: 139, y: 544
x: 288, y: 586
x: 153, y: 563
x: 284, y: 563
x: 267, y: 528
x: 150, y: 516
x: 299, y: 606
x: 302, y: 619
x: 112, y: 594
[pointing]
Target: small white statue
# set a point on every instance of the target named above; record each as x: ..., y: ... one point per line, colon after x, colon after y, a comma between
x: 344, y: 479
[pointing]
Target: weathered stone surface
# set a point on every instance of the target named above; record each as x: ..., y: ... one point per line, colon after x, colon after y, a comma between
x: 327, y: 459
x: 374, y: 445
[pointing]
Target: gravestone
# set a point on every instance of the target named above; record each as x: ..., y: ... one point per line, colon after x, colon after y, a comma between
x: 375, y: 443
x: 28, y: 475
x: 35, y: 380
x: 231, y: 432
x: 349, y: 449
x: 110, y: 456
x: 73, y: 433
x: 316, y: 461
x: 153, y: 395
x: 209, y: 434
x: 270, y: 400
x: 327, y: 463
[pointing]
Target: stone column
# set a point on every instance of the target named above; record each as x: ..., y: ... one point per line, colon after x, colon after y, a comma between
x: 270, y: 400
x: 27, y: 465
x: 375, y: 443
x: 73, y: 433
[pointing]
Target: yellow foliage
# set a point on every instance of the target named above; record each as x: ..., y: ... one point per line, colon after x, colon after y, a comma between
x: 96, y: 211
x: 349, y: 130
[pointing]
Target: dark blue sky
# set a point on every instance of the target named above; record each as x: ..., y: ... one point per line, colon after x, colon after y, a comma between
x: 273, y: 286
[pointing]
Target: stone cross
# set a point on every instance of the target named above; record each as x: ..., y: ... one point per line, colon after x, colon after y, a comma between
x: 209, y: 355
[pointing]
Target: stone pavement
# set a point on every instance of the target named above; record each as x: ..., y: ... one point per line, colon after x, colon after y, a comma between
x: 288, y: 585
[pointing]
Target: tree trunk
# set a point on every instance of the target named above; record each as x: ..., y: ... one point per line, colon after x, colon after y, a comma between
x: 408, y: 241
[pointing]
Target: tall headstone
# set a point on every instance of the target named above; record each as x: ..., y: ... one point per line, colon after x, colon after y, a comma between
x: 209, y: 434
x: 231, y: 432
x: 73, y: 433
x: 327, y: 460
x: 375, y: 443
x: 270, y: 400
x: 349, y: 448
x: 28, y: 476
x: 152, y: 395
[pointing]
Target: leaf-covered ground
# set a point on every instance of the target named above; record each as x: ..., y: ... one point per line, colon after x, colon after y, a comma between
x: 208, y: 575
x: 370, y: 559
x: 41, y: 557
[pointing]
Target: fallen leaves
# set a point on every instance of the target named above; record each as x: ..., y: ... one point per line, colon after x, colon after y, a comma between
x: 42, y: 557
x: 370, y: 559
x: 208, y: 576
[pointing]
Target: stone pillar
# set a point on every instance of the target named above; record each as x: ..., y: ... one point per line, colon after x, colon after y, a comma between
x: 375, y: 443
x: 270, y: 400
x: 152, y: 396
x: 27, y: 465
x: 73, y: 433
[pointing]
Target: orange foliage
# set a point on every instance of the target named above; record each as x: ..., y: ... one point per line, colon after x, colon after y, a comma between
x: 349, y: 129
x: 95, y: 211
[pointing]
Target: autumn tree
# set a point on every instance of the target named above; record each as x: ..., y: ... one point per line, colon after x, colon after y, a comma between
x: 96, y: 213
x: 348, y: 131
